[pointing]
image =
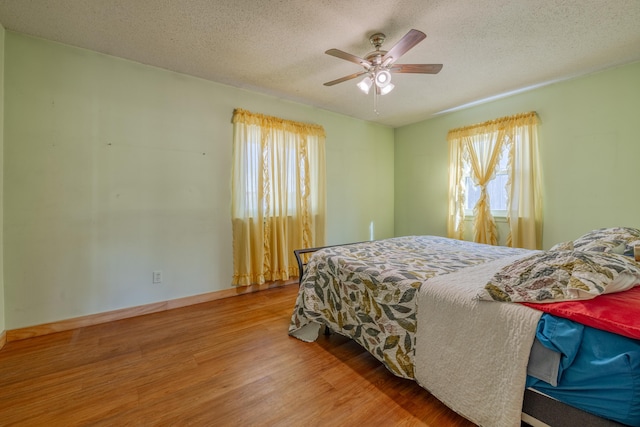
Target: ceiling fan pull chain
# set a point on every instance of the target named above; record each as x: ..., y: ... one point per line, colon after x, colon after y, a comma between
x: 375, y: 100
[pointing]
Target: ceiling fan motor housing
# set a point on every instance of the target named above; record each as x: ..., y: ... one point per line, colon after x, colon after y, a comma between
x: 377, y: 39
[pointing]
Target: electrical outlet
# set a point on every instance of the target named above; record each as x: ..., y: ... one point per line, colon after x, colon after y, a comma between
x: 157, y: 276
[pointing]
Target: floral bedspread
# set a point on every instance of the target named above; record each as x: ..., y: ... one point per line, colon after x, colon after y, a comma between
x: 367, y: 291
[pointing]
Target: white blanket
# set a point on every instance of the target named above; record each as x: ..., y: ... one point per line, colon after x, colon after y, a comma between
x: 472, y: 355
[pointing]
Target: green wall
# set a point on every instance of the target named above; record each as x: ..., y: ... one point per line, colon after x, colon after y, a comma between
x: 589, y: 147
x: 115, y: 169
x: 2, y: 308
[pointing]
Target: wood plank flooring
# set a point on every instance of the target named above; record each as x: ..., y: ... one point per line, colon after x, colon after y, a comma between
x: 222, y: 363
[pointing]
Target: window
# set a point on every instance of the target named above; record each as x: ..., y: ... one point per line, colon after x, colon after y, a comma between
x: 494, y: 171
x: 496, y: 188
x: 277, y: 195
x: 290, y: 173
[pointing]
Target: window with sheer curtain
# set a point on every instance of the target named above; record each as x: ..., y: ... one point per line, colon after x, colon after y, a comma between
x: 278, y: 195
x: 496, y: 187
x: 494, y: 169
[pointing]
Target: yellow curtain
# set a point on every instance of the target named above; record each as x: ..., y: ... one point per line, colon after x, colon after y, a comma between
x: 478, y: 148
x: 524, y: 210
x: 455, y: 219
x: 278, y: 195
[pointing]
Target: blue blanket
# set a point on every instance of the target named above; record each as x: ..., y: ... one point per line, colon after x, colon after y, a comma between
x: 599, y: 371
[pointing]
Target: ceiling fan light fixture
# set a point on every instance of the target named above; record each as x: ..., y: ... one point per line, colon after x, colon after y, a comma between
x: 388, y: 88
x: 383, y: 78
x: 365, y: 84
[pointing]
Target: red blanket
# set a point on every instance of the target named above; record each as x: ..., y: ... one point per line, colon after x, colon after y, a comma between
x: 618, y: 312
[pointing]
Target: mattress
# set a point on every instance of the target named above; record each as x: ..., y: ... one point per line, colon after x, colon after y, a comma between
x: 599, y: 372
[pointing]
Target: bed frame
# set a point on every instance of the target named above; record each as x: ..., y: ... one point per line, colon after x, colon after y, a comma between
x: 538, y: 410
x: 557, y: 414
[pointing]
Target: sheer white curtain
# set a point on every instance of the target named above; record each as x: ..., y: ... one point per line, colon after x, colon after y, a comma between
x: 484, y: 153
x: 278, y: 195
x: 477, y: 148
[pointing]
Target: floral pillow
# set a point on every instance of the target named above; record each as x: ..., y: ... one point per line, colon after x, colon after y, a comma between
x: 563, y: 246
x: 554, y: 276
x: 608, y: 240
x: 629, y: 248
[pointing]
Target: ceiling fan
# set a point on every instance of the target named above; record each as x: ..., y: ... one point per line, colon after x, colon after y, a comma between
x: 379, y: 64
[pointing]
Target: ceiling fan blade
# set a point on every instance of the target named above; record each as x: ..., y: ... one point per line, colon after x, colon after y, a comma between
x: 349, y: 57
x: 344, y: 79
x: 412, y: 38
x: 416, y: 68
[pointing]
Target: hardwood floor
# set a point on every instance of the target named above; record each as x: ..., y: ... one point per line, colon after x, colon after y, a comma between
x: 225, y: 363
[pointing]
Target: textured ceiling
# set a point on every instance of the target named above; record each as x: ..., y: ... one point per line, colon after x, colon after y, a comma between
x: 488, y: 47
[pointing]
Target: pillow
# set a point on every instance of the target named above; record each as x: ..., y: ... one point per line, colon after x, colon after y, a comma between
x: 563, y: 246
x: 629, y: 248
x: 554, y: 276
x: 620, y: 249
x: 607, y: 239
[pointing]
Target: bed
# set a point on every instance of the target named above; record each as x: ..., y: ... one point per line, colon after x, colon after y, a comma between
x: 430, y: 309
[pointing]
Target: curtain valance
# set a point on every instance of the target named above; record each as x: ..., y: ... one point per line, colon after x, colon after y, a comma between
x: 509, y: 122
x: 276, y: 123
